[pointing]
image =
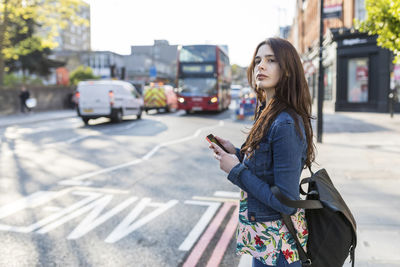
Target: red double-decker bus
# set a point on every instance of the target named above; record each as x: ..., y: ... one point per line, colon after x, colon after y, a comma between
x: 204, y: 78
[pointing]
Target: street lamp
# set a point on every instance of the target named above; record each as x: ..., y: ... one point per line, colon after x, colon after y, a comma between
x: 320, y: 76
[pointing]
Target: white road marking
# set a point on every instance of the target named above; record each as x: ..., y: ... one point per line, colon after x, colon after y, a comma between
x: 125, y: 227
x: 27, y: 229
x: 79, y: 138
x: 90, y: 222
x: 93, y: 219
x: 74, y: 182
x: 145, y: 157
x: 91, y: 174
x: 30, y: 201
x: 76, y: 139
x: 99, y: 189
x: 51, y: 209
x: 194, y: 235
x: 218, y: 199
x: 227, y: 194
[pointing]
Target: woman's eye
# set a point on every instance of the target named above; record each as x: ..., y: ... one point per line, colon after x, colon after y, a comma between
x: 271, y: 60
x: 257, y: 61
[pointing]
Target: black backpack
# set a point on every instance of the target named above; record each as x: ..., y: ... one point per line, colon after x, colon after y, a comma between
x: 331, y: 226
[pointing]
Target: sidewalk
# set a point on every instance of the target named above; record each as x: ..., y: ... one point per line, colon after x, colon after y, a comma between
x: 361, y: 152
x: 23, y: 118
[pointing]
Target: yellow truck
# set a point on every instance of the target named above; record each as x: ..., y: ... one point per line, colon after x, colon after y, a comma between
x: 158, y: 96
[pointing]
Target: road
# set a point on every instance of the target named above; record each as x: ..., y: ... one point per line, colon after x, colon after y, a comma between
x: 149, y: 193
x: 140, y: 193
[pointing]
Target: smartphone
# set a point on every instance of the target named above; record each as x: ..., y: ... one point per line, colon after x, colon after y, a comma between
x: 211, y: 138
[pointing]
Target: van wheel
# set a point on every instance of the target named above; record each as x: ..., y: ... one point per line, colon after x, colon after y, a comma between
x: 139, y: 116
x: 117, y: 116
x: 85, y: 121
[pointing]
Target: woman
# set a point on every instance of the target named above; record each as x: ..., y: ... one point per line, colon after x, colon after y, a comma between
x: 279, y: 145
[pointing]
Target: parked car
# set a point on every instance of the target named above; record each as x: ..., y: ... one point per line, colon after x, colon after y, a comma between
x: 108, y: 98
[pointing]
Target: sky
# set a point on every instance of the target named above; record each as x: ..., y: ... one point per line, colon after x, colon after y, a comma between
x: 241, y: 24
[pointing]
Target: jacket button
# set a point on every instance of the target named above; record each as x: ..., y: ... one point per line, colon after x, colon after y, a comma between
x: 252, y: 218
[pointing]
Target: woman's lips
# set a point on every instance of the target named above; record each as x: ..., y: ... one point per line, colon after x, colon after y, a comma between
x: 261, y: 76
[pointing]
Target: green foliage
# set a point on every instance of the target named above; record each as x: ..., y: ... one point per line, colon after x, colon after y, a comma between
x: 81, y: 73
x: 35, y: 62
x: 383, y: 19
x: 49, y: 15
x: 239, y: 75
x: 11, y: 80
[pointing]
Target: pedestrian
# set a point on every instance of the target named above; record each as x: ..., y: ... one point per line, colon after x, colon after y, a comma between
x: 23, y: 96
x: 278, y: 146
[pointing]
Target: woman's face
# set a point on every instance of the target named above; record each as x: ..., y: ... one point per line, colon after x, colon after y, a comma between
x: 266, y: 68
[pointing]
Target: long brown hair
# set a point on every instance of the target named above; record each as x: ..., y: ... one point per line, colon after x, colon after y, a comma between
x: 291, y: 95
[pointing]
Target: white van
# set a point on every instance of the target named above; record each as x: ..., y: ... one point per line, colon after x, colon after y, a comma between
x: 111, y: 99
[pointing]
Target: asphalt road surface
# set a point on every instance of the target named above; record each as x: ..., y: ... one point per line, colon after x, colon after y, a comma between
x: 139, y: 193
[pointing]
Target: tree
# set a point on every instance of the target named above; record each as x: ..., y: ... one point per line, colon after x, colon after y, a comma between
x: 81, y: 73
x: 37, y: 61
x: 239, y: 75
x: 49, y: 15
x: 383, y: 19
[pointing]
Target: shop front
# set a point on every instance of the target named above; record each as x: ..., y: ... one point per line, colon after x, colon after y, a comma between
x: 363, y: 73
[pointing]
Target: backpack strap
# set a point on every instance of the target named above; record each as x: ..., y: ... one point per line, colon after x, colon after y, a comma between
x: 304, y: 181
x: 352, y: 255
x: 305, y: 260
x: 309, y: 168
x: 305, y: 204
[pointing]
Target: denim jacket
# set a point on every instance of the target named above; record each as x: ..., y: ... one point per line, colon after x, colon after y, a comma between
x: 278, y: 160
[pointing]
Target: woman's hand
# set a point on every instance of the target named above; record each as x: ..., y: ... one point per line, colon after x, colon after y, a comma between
x: 226, y: 161
x: 228, y: 145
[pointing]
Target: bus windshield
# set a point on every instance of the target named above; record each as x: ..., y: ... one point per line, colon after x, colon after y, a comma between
x: 197, y: 53
x: 197, y: 86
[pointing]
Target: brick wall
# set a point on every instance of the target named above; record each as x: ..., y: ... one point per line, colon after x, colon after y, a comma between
x: 48, y: 98
x: 308, y: 18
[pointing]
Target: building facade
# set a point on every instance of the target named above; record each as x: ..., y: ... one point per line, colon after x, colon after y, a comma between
x: 76, y: 37
x: 105, y: 64
x: 356, y: 71
x: 148, y: 63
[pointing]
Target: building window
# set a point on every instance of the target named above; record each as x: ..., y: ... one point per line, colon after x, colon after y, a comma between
x: 357, y: 80
x: 360, y: 9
